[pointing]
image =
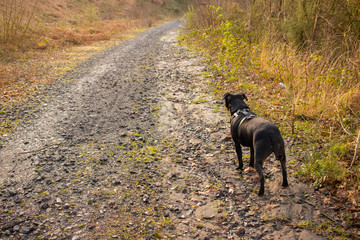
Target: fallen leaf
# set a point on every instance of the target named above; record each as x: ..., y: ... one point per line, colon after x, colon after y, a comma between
x: 249, y: 170
x: 213, y: 189
x: 227, y: 138
x: 271, y: 206
x: 251, y: 213
x: 327, y: 201
x: 239, y: 198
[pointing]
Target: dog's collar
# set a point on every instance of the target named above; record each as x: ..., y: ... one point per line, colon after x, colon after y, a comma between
x: 243, y: 114
x: 239, y: 117
x: 243, y: 111
x: 236, y: 114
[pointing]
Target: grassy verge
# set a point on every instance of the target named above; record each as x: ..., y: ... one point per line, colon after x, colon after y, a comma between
x: 312, y: 96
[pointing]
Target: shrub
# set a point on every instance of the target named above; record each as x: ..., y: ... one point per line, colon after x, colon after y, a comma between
x: 16, y: 17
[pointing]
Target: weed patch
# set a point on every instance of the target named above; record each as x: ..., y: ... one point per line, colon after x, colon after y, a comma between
x: 135, y: 189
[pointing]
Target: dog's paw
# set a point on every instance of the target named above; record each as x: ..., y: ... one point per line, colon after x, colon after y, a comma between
x: 261, y: 190
x: 285, y: 184
x: 261, y: 193
x: 240, y: 169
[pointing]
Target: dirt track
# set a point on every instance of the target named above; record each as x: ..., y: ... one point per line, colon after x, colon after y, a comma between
x: 134, y: 145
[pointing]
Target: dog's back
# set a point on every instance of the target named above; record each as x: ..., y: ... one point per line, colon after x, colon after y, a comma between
x: 255, y: 129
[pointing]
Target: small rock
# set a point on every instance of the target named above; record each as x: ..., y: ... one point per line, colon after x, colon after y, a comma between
x: 240, y: 232
x: 250, y: 213
x: 26, y: 230
x: 16, y: 228
x: 146, y: 199
x: 12, y: 193
x: 58, y: 158
x: 116, y: 182
x: 67, y: 229
x: 10, y: 224
x: 189, y: 213
x: 103, y: 159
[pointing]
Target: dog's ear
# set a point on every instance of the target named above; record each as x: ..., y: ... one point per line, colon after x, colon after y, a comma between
x: 244, y: 97
x: 227, y: 98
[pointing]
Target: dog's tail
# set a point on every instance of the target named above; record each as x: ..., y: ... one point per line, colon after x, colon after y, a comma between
x: 275, y: 146
x: 278, y: 145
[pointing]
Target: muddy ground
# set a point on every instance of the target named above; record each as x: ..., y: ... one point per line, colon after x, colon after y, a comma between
x: 134, y: 145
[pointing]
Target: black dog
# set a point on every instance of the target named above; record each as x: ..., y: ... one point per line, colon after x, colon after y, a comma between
x: 262, y: 136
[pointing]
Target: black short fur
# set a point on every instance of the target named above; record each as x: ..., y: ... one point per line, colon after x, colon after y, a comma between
x: 260, y: 135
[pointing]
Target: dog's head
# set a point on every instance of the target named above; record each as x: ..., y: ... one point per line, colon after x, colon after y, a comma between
x: 234, y: 102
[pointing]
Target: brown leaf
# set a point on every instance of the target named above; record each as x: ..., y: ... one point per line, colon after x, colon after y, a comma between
x: 249, y: 170
x: 239, y: 198
x: 227, y: 138
x: 213, y: 189
x: 271, y: 206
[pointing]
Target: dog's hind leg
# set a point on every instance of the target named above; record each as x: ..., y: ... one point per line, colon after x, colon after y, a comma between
x: 258, y: 167
x: 283, y: 170
x: 239, y: 155
x: 279, y: 151
x: 261, y: 151
x: 251, y: 157
x: 282, y: 158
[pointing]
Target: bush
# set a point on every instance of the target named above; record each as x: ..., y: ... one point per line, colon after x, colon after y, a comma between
x: 16, y: 17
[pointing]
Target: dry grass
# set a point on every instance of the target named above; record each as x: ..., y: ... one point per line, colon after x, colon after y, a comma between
x: 319, y: 86
x: 87, y: 33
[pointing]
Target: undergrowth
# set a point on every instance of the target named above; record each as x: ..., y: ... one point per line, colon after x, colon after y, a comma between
x: 310, y: 90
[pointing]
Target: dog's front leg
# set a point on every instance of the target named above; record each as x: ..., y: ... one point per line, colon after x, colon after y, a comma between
x: 239, y: 155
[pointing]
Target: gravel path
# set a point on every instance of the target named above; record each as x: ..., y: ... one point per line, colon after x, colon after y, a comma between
x: 133, y: 145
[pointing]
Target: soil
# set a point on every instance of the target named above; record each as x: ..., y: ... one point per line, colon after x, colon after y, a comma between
x: 134, y: 145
